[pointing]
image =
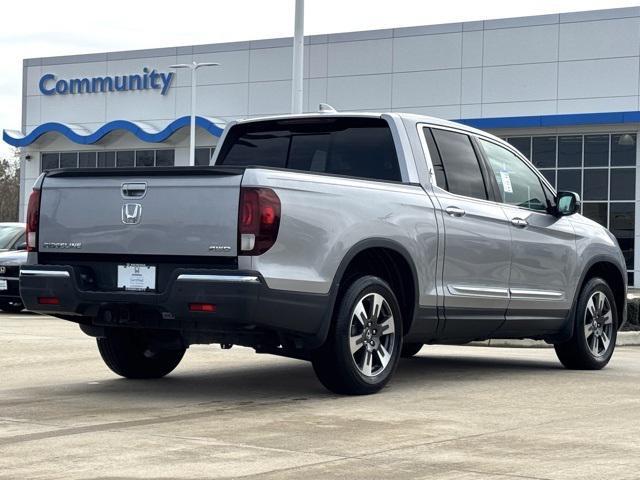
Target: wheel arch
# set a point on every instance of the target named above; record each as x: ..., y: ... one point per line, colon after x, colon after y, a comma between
x: 609, y: 269
x: 610, y: 272
x: 396, y: 268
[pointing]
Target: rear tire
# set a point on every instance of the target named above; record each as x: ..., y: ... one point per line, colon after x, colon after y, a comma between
x: 129, y: 354
x: 596, y: 329
x: 411, y: 349
x: 363, y: 346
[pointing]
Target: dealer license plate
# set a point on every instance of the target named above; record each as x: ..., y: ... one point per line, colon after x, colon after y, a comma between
x: 136, y: 277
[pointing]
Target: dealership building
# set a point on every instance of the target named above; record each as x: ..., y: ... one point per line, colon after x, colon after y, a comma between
x: 562, y: 88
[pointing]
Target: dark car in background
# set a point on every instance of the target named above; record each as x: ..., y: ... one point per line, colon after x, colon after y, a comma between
x: 13, y: 253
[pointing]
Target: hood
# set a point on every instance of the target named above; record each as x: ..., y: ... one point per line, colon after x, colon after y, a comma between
x: 13, y: 257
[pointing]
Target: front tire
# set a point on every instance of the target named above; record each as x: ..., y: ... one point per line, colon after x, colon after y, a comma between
x: 364, y: 343
x: 596, y: 329
x: 130, y: 354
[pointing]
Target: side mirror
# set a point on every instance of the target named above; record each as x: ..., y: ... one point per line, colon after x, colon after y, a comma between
x: 567, y: 203
x: 21, y: 246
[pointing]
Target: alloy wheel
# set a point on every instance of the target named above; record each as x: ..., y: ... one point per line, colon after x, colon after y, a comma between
x: 598, y: 324
x: 372, y: 334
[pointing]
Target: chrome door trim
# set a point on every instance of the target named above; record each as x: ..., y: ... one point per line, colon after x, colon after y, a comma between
x: 44, y: 273
x: 511, y: 293
x: 473, y: 291
x: 530, y: 294
x: 190, y: 277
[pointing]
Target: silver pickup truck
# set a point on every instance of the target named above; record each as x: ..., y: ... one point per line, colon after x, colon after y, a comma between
x: 346, y: 239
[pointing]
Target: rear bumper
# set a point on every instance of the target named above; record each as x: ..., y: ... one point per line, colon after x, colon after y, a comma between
x: 245, y: 306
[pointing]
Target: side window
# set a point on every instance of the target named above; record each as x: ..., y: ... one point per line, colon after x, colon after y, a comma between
x: 461, y: 170
x: 436, y: 161
x: 518, y: 184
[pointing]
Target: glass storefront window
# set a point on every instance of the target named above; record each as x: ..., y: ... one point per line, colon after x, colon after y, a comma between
x: 145, y: 158
x: 570, y: 181
x: 596, y: 150
x: 623, y: 183
x: 87, y: 159
x: 596, y: 184
x: 106, y: 159
x: 50, y: 161
x: 544, y: 152
x: 570, y: 151
x: 623, y: 150
x: 125, y: 158
x: 622, y: 225
x: 203, y: 156
x: 109, y: 159
x: 165, y: 158
x: 69, y: 160
x: 596, y: 212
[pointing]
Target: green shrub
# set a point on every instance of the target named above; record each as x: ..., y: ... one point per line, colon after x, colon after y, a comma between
x: 633, y: 317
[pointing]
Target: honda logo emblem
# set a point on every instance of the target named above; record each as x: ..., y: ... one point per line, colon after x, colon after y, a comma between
x: 131, y: 213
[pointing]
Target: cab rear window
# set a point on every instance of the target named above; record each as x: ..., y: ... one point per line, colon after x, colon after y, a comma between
x: 357, y: 147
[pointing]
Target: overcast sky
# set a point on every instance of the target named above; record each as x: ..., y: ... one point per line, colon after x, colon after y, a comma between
x: 35, y: 28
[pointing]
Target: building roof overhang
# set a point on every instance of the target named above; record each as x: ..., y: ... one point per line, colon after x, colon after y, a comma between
x: 153, y: 134
x: 83, y: 136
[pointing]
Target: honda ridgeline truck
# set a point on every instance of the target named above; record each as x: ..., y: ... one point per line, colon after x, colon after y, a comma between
x: 346, y: 239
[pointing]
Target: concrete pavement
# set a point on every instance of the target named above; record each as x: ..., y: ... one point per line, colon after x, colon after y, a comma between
x: 451, y: 413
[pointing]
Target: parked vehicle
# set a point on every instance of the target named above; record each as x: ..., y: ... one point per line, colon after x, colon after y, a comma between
x: 12, y: 236
x: 13, y: 253
x: 10, y: 263
x: 346, y: 239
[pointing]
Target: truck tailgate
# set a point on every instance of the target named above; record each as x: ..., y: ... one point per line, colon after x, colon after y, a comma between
x: 123, y: 212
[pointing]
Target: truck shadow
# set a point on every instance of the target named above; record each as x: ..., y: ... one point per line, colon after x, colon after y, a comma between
x: 296, y: 380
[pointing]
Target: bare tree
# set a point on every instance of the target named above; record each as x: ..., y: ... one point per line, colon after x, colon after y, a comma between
x: 9, y: 189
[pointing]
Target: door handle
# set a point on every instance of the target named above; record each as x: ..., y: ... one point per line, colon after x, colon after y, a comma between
x: 455, y: 211
x: 134, y: 190
x: 519, y: 222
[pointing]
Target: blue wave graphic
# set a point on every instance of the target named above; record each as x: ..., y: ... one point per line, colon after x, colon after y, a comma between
x: 91, y: 138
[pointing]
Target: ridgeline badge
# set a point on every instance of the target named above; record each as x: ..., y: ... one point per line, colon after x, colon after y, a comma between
x: 49, y: 85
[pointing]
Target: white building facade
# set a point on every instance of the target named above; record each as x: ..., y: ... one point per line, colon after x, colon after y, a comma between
x: 563, y: 88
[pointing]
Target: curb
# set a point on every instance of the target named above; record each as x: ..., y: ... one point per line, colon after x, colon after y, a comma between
x: 625, y: 339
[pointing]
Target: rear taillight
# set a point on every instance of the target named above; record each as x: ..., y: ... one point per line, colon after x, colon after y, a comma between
x: 202, y: 307
x: 258, y: 220
x: 33, y: 216
x: 48, y: 300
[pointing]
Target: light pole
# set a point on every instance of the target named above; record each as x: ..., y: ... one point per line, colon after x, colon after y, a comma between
x: 193, y: 66
x: 297, y: 81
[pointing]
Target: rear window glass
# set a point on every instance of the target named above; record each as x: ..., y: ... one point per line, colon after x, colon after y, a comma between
x: 357, y: 147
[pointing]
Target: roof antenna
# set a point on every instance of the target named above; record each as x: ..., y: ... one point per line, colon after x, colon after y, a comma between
x: 326, y: 108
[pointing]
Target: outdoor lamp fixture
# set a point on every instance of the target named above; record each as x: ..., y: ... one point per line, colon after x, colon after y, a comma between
x: 626, y: 140
x: 193, y: 66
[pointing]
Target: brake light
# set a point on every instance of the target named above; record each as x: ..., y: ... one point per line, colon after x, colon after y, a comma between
x: 33, y: 217
x: 202, y: 307
x: 258, y: 220
x: 48, y: 300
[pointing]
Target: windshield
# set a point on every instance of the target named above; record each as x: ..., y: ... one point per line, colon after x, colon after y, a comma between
x: 8, y: 235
